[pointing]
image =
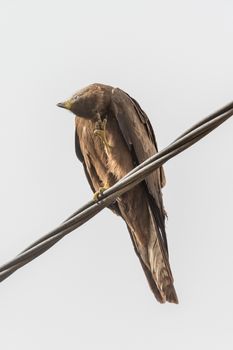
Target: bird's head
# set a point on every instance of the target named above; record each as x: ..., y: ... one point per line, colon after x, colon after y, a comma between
x: 90, y: 101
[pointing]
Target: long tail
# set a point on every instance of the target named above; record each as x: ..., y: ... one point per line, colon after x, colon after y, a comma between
x: 169, y: 294
x: 149, y: 247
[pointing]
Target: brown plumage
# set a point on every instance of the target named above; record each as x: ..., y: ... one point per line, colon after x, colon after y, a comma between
x: 113, y: 135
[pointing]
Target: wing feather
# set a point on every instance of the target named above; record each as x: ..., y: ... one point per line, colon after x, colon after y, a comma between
x: 140, y: 138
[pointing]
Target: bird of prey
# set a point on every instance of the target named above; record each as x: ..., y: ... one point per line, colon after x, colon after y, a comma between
x: 112, y: 136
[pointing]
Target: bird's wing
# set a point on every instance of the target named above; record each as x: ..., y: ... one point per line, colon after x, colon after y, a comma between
x: 139, y: 136
x: 81, y: 158
x: 145, y: 120
x: 77, y: 146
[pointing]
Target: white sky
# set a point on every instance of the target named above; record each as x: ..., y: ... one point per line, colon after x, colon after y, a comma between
x: 89, y: 291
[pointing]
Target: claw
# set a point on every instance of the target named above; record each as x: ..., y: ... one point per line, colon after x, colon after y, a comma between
x: 100, y: 131
x: 98, y: 194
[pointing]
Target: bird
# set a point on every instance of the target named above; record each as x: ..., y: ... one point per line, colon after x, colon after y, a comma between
x: 112, y: 136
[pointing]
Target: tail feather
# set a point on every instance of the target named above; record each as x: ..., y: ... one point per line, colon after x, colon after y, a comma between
x: 148, y: 242
x: 159, y: 263
x: 169, y: 293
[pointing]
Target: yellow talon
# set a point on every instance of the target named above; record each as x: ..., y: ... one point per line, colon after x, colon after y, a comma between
x: 99, y: 193
x: 101, y: 132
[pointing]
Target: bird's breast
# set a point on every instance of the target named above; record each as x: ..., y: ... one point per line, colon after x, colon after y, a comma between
x: 114, y: 158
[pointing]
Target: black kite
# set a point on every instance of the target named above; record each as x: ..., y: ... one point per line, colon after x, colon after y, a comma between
x: 113, y: 135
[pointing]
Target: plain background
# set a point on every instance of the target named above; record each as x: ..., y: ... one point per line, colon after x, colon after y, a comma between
x: 89, y: 291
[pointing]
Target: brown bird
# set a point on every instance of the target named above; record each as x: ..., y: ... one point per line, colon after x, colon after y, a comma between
x: 113, y: 135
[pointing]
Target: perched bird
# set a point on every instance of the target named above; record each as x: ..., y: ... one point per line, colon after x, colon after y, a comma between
x: 113, y: 135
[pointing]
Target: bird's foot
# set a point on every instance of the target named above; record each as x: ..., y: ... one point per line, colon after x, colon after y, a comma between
x: 98, y: 194
x: 100, y: 131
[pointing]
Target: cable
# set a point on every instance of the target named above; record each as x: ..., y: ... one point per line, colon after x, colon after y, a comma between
x: 135, y: 176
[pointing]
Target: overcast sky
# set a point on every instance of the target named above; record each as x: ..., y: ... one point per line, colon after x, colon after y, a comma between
x: 89, y: 291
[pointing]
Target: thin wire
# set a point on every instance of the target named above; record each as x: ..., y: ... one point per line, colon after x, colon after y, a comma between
x: 138, y: 174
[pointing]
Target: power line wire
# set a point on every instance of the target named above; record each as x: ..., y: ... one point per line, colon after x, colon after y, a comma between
x: 138, y: 174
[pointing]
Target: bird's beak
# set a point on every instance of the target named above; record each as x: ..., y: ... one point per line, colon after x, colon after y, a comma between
x: 66, y: 104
